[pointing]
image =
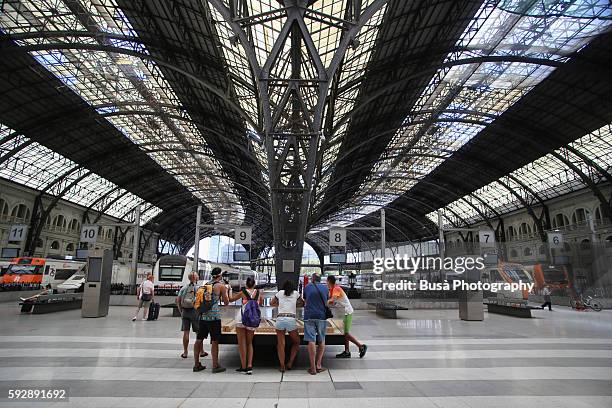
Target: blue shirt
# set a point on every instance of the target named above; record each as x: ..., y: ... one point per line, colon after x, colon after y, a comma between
x: 315, y: 307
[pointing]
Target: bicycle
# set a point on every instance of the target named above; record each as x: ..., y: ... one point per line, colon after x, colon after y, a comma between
x: 584, y: 302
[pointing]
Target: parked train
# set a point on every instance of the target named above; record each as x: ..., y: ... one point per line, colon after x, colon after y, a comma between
x: 171, y: 272
x: 510, y: 273
x: 25, y: 273
x: 554, y: 276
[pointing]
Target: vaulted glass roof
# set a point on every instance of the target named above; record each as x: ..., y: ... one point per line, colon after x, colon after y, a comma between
x: 38, y: 167
x: 545, y: 178
x: 463, y: 98
x: 129, y: 91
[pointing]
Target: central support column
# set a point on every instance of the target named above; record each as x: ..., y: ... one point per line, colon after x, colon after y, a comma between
x: 293, y: 85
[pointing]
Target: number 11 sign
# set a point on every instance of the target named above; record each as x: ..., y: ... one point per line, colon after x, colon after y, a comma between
x: 18, y: 233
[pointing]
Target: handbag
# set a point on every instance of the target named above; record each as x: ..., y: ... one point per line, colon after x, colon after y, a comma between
x: 328, y: 312
x: 144, y: 296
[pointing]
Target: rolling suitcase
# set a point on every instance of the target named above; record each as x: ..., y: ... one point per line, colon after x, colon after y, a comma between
x: 153, y: 311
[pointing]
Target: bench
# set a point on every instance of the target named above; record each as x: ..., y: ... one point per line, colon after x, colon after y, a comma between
x: 388, y: 310
x: 175, y: 311
x: 52, y: 303
x: 510, y: 309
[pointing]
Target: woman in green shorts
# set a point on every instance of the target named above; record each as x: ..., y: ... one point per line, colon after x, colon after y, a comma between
x: 338, y: 298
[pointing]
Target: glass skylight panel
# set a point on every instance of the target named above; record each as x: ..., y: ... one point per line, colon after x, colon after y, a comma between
x: 40, y: 168
x: 488, y: 89
x: 121, y: 83
x: 547, y: 176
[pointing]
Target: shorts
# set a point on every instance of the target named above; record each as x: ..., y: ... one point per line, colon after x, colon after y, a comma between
x: 286, y: 324
x: 189, y: 317
x: 348, y: 323
x: 209, y: 326
x: 314, y: 330
x: 239, y: 319
x: 144, y: 303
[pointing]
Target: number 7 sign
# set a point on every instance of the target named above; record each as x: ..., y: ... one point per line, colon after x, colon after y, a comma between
x: 486, y: 238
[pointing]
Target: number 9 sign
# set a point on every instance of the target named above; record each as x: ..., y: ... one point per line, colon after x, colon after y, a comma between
x: 243, y: 235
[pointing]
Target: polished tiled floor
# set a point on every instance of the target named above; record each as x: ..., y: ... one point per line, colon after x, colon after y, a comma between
x: 427, y: 358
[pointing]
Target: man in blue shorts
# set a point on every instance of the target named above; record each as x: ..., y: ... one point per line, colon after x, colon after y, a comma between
x: 315, y: 324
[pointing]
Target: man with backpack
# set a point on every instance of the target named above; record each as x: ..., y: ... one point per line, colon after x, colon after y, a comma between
x: 208, y: 306
x: 189, y: 318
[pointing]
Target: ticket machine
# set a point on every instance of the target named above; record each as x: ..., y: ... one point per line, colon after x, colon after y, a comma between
x: 96, y: 295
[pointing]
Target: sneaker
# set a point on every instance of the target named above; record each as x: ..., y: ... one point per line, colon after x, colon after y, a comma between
x: 241, y: 370
x: 344, y: 354
x: 248, y: 371
x: 199, y: 367
x: 134, y: 318
x: 363, y: 350
x: 219, y: 369
x: 144, y: 320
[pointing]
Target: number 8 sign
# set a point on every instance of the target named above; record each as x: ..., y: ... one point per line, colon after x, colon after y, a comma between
x: 337, y: 237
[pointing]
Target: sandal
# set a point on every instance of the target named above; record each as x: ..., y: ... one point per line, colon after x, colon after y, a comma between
x: 281, y: 369
x: 320, y: 370
x: 311, y: 372
x: 203, y: 354
x: 183, y: 355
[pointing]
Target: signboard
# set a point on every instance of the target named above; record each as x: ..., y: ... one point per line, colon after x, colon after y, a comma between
x: 288, y: 266
x: 10, y: 253
x: 89, y: 233
x: 486, y: 238
x: 241, y: 256
x: 555, y: 240
x: 18, y: 233
x: 337, y: 237
x: 243, y: 235
x: 337, y: 258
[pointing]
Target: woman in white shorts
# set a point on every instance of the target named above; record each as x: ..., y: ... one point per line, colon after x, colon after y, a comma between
x: 287, y: 301
x: 244, y: 333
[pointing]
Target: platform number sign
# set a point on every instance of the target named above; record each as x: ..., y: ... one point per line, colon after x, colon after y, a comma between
x: 18, y: 233
x: 89, y: 233
x: 555, y: 239
x: 337, y: 237
x: 243, y: 235
x: 486, y: 238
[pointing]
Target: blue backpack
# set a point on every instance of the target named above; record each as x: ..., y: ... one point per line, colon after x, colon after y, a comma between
x: 251, y: 315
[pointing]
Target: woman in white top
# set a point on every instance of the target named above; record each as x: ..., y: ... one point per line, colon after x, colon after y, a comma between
x: 145, y: 293
x: 287, y: 301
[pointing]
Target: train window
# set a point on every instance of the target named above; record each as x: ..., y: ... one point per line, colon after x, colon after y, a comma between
x: 517, y: 274
x: 63, y: 274
x: 495, y: 276
x: 171, y: 273
x: 25, y: 270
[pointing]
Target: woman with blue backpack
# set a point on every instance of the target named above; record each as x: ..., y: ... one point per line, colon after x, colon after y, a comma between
x: 248, y: 318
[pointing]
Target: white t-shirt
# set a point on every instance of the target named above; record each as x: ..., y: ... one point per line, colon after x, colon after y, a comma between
x: 287, y: 304
x: 147, y: 287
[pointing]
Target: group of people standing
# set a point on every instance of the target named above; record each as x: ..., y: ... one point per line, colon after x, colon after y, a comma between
x: 316, y: 300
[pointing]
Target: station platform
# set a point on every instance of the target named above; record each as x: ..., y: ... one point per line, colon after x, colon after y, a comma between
x: 426, y: 358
